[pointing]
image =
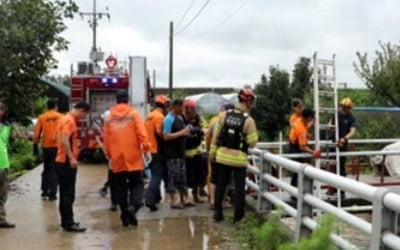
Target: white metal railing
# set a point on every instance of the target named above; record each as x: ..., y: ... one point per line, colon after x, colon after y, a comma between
x: 356, y: 153
x: 271, y: 145
x: 386, y: 204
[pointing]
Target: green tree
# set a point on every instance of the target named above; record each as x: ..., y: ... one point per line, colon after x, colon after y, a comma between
x: 301, y: 78
x: 273, y: 103
x: 30, y: 32
x: 383, y: 76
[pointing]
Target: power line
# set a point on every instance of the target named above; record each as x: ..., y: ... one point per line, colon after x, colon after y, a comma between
x: 164, y: 63
x: 185, y: 14
x: 87, y: 3
x: 194, y: 18
x: 230, y: 16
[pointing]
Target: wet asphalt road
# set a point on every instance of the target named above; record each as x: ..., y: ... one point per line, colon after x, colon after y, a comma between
x: 38, y: 221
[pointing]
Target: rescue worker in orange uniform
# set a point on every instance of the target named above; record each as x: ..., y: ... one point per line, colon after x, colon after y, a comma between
x: 298, y: 139
x: 297, y: 107
x: 154, y: 126
x: 45, y: 129
x: 67, y: 164
x: 125, y: 141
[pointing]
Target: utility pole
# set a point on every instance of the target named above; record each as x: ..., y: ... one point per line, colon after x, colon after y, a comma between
x: 95, y: 16
x: 154, y: 79
x: 171, y: 58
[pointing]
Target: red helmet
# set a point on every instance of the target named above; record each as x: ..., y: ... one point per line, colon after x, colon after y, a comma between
x: 190, y: 104
x: 246, y: 95
x: 162, y: 99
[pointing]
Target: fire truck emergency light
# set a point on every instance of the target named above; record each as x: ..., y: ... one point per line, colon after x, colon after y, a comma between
x: 109, y: 80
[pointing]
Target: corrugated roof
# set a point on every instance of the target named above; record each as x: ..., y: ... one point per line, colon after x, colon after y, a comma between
x: 62, y: 88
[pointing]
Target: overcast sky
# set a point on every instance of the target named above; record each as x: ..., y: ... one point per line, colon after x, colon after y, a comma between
x: 231, y: 46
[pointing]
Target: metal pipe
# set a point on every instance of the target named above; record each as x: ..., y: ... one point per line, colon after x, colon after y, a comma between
x: 342, y: 215
x: 253, y: 170
x: 267, y: 145
x: 256, y: 151
x: 358, y: 208
x: 281, y: 161
x: 391, y: 201
x: 279, y: 203
x: 281, y: 184
x: 391, y: 240
x: 336, y: 239
x: 252, y: 185
x: 356, y: 153
x: 360, y: 189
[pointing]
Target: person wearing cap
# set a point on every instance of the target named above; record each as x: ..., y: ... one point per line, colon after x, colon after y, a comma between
x: 347, y: 130
x: 154, y: 126
x: 125, y: 142
x: 234, y: 133
x: 212, y: 178
x: 5, y: 130
x: 194, y: 158
x: 298, y: 139
x: 175, y: 133
x: 45, y: 129
x: 67, y: 164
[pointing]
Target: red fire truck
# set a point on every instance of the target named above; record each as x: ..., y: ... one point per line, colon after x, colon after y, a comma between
x: 98, y: 87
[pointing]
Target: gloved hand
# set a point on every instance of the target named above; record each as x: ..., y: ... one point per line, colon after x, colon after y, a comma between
x: 317, y: 154
x: 341, y: 142
x: 35, y: 149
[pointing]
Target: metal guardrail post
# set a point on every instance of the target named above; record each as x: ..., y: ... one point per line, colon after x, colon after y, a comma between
x: 382, y: 219
x: 263, y: 205
x: 305, y: 186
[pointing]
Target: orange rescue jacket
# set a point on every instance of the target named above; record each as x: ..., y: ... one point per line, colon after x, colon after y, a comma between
x: 46, y: 127
x: 125, y: 139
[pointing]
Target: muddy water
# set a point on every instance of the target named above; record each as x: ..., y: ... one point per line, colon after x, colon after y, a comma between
x: 38, y: 222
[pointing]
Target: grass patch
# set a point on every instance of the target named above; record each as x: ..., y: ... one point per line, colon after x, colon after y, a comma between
x: 319, y: 239
x: 21, y: 157
x: 255, y: 234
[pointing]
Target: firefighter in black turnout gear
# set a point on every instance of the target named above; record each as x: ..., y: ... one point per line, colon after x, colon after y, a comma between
x: 234, y: 133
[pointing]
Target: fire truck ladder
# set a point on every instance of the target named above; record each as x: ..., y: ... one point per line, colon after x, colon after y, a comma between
x: 326, y: 115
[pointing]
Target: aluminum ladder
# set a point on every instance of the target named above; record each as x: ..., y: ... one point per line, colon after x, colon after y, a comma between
x: 326, y: 115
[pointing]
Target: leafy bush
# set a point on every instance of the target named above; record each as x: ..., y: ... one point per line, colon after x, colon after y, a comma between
x: 21, y: 157
x: 319, y: 239
x: 19, y: 147
x: 253, y: 234
x: 243, y: 232
x: 269, y: 236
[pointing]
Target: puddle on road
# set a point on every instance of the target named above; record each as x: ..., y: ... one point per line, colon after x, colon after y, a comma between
x: 167, y: 234
x: 38, y: 222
